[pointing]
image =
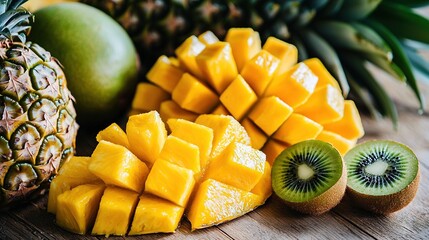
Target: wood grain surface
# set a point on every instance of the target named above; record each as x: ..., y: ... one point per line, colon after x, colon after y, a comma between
x: 273, y: 220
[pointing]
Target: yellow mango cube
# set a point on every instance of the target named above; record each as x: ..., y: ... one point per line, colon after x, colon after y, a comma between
x: 116, y: 165
x: 238, y: 89
x: 155, y: 215
x: 218, y: 66
x: 342, y: 144
x: 182, y: 153
x: 226, y: 129
x: 293, y: 87
x: 170, y: 181
x: 259, y: 71
x: 297, y: 128
x: 197, y: 134
x: 325, y: 105
x: 146, y: 135
x: 264, y: 187
x: 220, y: 110
x: 285, y: 52
x: 270, y: 113
x: 216, y: 202
x: 208, y: 37
x: 73, y: 173
x: 320, y: 71
x: 350, y: 125
x: 165, y: 73
x: 187, y: 52
x: 148, y: 97
x: 170, y: 110
x: 245, y: 162
x: 257, y: 136
x: 273, y: 148
x: 78, y: 208
x: 194, y: 96
x: 114, y: 134
x: 245, y: 44
x: 116, y: 210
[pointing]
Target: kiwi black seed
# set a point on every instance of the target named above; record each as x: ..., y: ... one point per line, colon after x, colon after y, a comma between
x: 382, y: 175
x: 309, y: 177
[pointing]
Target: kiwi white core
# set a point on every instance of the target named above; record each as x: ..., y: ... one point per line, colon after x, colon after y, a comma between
x: 377, y: 168
x: 305, y: 172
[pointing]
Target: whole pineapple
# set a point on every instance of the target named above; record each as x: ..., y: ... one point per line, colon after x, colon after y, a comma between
x: 343, y: 34
x: 37, y: 126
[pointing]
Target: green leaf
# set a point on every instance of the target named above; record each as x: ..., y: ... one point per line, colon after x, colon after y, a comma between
x: 402, y: 21
x: 356, y: 66
x: 411, y: 3
x: 357, y: 9
x: 344, y: 35
x: 399, y: 58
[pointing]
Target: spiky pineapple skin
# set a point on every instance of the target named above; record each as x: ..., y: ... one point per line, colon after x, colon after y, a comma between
x: 37, y: 127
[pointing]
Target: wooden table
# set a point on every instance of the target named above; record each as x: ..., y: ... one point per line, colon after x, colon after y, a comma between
x: 274, y: 220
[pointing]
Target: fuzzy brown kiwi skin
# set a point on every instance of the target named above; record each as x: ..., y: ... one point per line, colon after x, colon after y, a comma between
x: 387, y: 204
x: 324, y: 202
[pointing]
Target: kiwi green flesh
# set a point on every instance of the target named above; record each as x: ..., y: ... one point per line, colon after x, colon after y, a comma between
x: 380, y: 167
x: 306, y: 170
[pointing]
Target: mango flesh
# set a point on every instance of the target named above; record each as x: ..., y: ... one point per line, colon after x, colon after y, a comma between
x: 114, y: 134
x: 101, y: 66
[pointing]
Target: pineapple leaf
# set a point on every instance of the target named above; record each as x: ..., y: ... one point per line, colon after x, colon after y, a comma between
x: 400, y: 58
x: 411, y: 3
x: 389, y: 67
x: 357, y: 9
x: 417, y: 60
x: 356, y: 66
x: 344, y: 35
x: 321, y: 49
x: 403, y: 22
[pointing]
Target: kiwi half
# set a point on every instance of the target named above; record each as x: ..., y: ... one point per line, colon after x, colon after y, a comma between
x: 309, y: 177
x: 382, y: 175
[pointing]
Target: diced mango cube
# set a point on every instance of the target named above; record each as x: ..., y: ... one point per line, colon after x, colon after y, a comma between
x: 238, y: 89
x: 257, y: 136
x: 148, y: 97
x: 116, y: 165
x: 245, y: 44
x: 74, y: 172
x: 273, y: 148
x: 226, y: 129
x: 171, y: 182
x: 146, y: 135
x: 259, y: 71
x: 220, y: 110
x: 165, y: 74
x: 155, y: 215
x: 342, y: 144
x: 350, y: 125
x: 320, y: 71
x: 270, y: 113
x: 325, y: 105
x: 218, y: 66
x: 116, y: 210
x: 197, y: 134
x: 216, y: 202
x: 194, y: 96
x: 245, y: 162
x: 294, y: 86
x: 114, y: 134
x: 297, y: 128
x: 170, y: 109
x: 79, y: 207
x: 208, y: 37
x: 182, y: 153
x: 187, y: 52
x: 264, y: 187
x: 285, y: 52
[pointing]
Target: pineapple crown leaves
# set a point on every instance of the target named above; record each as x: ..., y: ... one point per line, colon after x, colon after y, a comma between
x: 14, y: 21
